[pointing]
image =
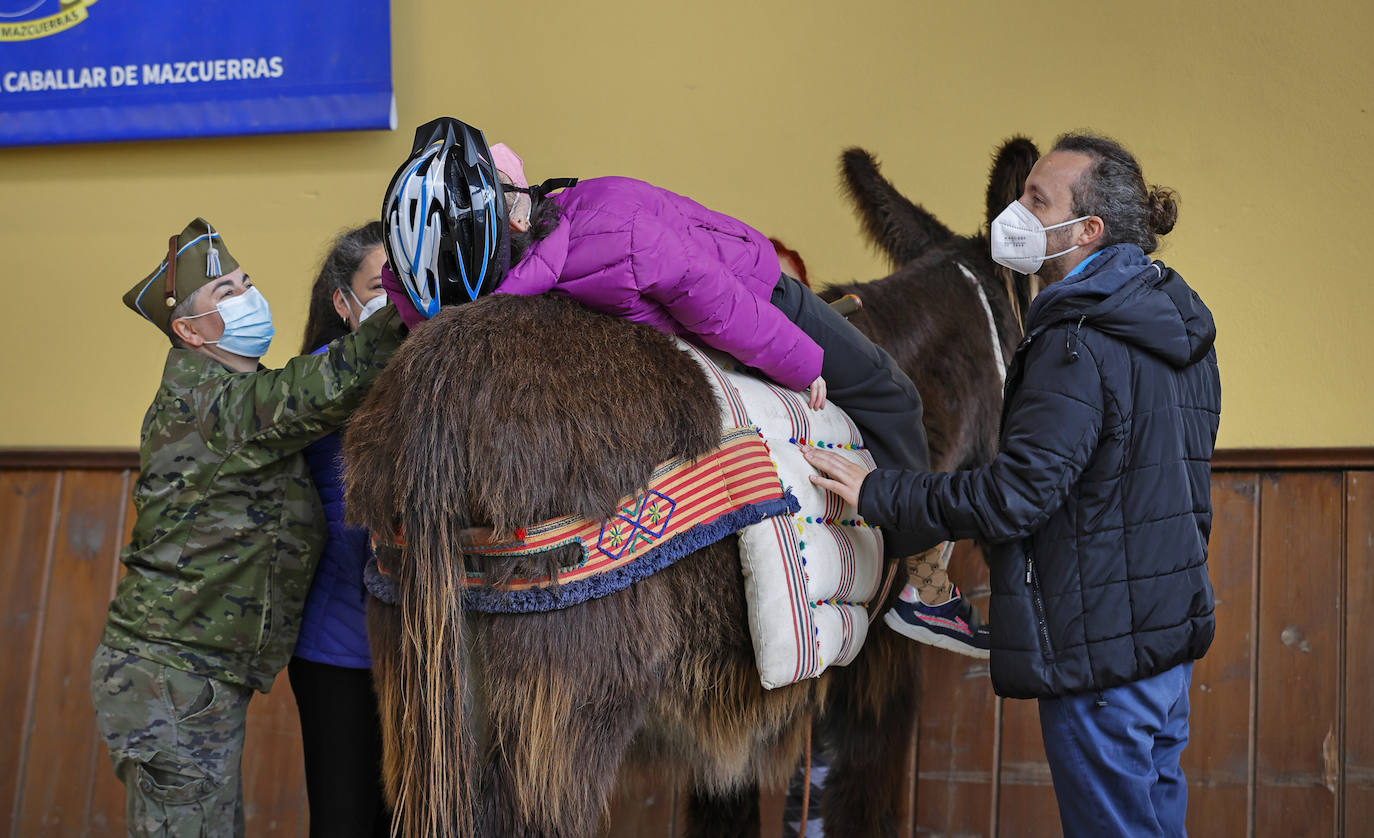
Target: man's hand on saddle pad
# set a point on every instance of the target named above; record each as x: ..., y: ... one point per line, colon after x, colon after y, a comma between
x: 846, y: 477
x: 816, y: 394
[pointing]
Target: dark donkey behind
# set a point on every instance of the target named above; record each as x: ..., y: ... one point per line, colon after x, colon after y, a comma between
x: 511, y: 410
x: 928, y: 313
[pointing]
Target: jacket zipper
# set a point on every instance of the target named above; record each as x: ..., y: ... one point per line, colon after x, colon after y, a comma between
x: 1033, y: 582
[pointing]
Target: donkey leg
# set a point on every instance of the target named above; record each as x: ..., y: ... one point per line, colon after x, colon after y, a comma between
x: 732, y: 815
x: 868, y: 726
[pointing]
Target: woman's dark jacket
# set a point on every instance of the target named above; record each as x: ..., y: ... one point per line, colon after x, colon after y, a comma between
x: 1097, y: 507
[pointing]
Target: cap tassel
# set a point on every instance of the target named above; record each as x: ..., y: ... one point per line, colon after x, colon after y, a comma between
x: 212, y: 268
x: 169, y: 291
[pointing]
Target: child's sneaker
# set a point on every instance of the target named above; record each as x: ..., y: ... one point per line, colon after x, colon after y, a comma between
x: 954, y: 625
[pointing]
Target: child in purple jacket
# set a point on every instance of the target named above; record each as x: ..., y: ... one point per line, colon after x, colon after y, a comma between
x: 457, y: 212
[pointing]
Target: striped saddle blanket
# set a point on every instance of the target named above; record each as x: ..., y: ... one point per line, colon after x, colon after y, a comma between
x: 687, y: 505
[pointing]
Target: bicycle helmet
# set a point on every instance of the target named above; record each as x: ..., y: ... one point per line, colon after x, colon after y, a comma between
x: 444, y: 218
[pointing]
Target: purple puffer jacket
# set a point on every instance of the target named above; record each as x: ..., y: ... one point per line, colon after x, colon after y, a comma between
x: 628, y: 248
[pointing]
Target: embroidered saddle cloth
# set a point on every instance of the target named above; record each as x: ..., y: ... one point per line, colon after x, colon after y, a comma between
x: 687, y: 505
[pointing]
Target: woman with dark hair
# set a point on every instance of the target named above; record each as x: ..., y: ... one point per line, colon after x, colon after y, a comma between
x: 343, y: 288
x: 330, y: 671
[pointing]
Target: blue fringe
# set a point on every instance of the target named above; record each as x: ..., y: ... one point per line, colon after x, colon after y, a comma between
x: 378, y: 584
x: 490, y: 601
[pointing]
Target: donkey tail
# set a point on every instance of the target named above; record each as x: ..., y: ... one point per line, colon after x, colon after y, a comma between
x: 898, y: 227
x: 1007, y: 178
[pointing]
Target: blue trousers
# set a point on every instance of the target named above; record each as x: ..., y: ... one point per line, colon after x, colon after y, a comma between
x: 1114, y: 756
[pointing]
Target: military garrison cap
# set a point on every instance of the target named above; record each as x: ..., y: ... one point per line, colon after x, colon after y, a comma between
x: 193, y: 258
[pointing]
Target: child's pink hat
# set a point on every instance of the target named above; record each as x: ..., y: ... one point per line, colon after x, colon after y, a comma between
x: 509, y: 163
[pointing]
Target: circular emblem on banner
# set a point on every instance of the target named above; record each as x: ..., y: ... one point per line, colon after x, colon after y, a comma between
x: 27, y: 20
x: 19, y: 8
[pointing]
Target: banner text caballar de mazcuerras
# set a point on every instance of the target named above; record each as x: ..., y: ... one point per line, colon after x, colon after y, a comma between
x: 134, y: 75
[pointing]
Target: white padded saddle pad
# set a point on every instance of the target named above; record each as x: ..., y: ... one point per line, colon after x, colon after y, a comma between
x: 808, y: 578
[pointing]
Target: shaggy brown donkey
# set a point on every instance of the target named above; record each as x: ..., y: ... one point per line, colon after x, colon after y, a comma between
x: 509, y: 411
x: 500, y: 414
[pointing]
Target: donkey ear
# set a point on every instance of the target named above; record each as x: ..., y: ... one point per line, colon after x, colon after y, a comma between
x: 900, y: 228
x: 1010, y: 166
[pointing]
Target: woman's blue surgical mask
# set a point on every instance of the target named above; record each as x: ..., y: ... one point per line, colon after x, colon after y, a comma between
x: 247, y: 324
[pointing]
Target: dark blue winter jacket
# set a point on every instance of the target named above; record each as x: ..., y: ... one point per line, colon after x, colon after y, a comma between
x: 1097, y: 508
x: 332, y: 628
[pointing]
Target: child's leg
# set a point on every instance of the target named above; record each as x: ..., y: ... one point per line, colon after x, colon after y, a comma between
x: 928, y: 573
x: 867, y: 383
x: 883, y: 402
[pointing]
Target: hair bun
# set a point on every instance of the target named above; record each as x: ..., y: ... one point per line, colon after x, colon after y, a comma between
x: 1163, y: 209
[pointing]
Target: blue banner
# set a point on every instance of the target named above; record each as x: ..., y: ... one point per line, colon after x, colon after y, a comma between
x: 92, y: 70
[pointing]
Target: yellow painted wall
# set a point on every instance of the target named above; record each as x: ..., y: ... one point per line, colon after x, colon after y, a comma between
x: 1258, y: 113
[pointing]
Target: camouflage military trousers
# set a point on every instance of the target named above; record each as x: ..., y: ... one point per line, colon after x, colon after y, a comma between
x: 176, y: 741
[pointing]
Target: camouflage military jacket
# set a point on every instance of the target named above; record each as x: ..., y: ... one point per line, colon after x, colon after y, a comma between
x: 229, y: 524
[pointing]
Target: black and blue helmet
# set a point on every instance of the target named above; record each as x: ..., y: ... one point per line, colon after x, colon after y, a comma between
x: 444, y: 218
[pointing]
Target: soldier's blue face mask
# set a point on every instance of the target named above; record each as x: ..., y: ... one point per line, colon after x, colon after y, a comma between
x: 247, y: 324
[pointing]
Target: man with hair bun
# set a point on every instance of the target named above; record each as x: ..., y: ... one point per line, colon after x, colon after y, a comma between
x: 1097, y: 508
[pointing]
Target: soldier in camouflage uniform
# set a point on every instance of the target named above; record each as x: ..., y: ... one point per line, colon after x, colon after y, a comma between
x: 228, y: 531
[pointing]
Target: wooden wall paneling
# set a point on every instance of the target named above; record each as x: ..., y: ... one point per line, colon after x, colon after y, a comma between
x: 63, y: 741
x: 772, y: 806
x: 27, y: 515
x: 1026, y: 807
x: 274, y: 798
x: 1217, y: 761
x: 1359, y: 651
x: 1297, y: 725
x: 1293, y: 459
x: 644, y: 803
x: 958, y: 726
x: 1300, y: 555
x: 107, y: 794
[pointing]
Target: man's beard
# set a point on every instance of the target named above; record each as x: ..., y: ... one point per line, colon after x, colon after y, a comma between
x: 1053, y: 270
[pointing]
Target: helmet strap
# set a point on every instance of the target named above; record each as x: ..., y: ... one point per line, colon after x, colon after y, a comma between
x: 553, y: 184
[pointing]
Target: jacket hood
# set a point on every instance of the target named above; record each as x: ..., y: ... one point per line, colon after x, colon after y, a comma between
x: 1125, y: 295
